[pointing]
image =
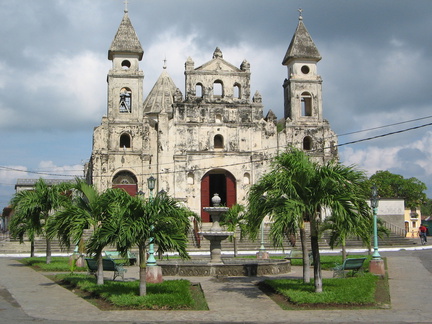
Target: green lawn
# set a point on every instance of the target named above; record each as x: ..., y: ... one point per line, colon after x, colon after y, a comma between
x: 168, y: 295
x: 354, y: 291
x: 58, y: 264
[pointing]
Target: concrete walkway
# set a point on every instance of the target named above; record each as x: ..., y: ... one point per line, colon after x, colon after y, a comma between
x: 231, y: 300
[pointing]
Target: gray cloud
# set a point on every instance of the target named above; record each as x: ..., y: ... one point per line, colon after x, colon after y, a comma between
x: 375, y: 68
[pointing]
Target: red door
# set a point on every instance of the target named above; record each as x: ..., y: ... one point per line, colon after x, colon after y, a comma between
x: 230, y: 189
x: 131, y: 189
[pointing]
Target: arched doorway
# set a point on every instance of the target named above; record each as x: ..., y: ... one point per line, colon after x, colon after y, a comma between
x: 126, y: 180
x: 221, y: 182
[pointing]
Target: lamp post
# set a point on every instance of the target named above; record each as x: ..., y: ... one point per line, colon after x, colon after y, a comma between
x: 151, y: 184
x: 374, y: 205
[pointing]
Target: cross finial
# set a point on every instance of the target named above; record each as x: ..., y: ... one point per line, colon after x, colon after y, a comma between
x: 300, y: 10
x: 126, y: 6
x: 165, y: 60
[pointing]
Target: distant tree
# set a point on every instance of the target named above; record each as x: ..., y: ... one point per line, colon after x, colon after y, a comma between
x: 426, y: 208
x: 392, y: 185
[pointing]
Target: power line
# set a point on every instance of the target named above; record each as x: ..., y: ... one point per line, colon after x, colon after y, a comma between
x: 384, y: 126
x: 254, y: 151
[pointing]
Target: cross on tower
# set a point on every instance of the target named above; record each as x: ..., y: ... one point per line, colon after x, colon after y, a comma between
x: 126, y: 4
x: 300, y: 10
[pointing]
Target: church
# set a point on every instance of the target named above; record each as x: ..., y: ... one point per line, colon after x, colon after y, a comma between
x: 211, y: 138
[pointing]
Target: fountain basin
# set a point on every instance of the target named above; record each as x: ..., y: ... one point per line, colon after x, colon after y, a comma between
x: 229, y: 267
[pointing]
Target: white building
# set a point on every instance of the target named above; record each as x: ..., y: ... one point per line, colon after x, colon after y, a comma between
x: 212, y: 139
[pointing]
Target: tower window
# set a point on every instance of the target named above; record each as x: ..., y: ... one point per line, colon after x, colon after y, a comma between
x: 306, y: 104
x: 305, y: 69
x: 218, y: 142
x: 199, y: 90
x: 218, y: 89
x: 126, y: 64
x: 125, y: 100
x: 125, y: 141
x: 218, y: 118
x: 236, y: 90
x: 307, y: 143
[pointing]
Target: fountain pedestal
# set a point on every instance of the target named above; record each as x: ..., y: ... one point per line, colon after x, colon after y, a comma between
x: 216, y: 234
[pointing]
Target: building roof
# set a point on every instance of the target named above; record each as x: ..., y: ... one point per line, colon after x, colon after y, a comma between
x: 126, y: 40
x: 161, y: 96
x: 32, y: 182
x: 301, y: 46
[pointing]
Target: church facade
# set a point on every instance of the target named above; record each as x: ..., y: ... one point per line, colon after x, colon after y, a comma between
x: 214, y: 138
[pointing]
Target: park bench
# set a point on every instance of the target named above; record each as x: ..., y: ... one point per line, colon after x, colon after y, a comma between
x: 354, y: 265
x: 116, y: 256
x: 297, y: 254
x: 108, y: 265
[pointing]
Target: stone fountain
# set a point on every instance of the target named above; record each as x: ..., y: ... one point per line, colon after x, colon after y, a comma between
x: 217, y: 266
x: 216, y: 234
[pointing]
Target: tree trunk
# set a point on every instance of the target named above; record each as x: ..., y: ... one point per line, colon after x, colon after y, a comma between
x: 235, y: 246
x: 32, y: 249
x: 344, y: 252
x: 48, y: 251
x: 316, y: 255
x: 142, y: 270
x: 306, y: 262
x: 100, y: 273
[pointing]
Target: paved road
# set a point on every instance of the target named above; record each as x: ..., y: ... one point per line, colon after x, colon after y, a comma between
x: 28, y: 297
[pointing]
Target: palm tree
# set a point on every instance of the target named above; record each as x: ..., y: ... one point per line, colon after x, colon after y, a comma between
x: 87, y: 209
x: 298, y: 189
x: 138, y: 220
x: 33, y: 210
x: 234, y: 219
x: 279, y: 194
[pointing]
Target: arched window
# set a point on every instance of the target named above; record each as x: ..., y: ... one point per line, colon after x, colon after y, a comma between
x: 199, y: 90
x: 246, y: 178
x: 218, y: 118
x: 237, y: 91
x: 218, y: 142
x: 125, y: 141
x: 125, y: 100
x: 306, y: 104
x: 307, y: 143
x: 218, y: 89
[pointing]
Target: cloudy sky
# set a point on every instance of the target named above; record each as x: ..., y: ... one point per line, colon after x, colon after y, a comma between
x: 376, y: 71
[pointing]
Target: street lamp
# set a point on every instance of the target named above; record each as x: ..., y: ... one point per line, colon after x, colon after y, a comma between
x: 151, y: 184
x: 374, y: 205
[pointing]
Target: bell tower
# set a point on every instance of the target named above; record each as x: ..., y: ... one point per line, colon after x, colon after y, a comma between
x: 125, y: 79
x: 305, y: 127
x: 302, y: 88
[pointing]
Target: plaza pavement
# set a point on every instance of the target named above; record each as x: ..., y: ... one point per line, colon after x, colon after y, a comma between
x: 231, y: 300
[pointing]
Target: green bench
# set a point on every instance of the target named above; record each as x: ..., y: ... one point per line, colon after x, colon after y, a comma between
x: 297, y: 254
x: 355, y: 265
x: 108, y: 265
x: 116, y: 256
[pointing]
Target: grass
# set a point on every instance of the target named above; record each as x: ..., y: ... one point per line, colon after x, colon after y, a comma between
x: 58, y: 264
x: 347, y: 291
x: 359, y: 292
x: 328, y: 262
x: 168, y: 295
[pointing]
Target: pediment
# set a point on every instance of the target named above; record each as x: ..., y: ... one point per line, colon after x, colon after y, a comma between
x: 218, y: 64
